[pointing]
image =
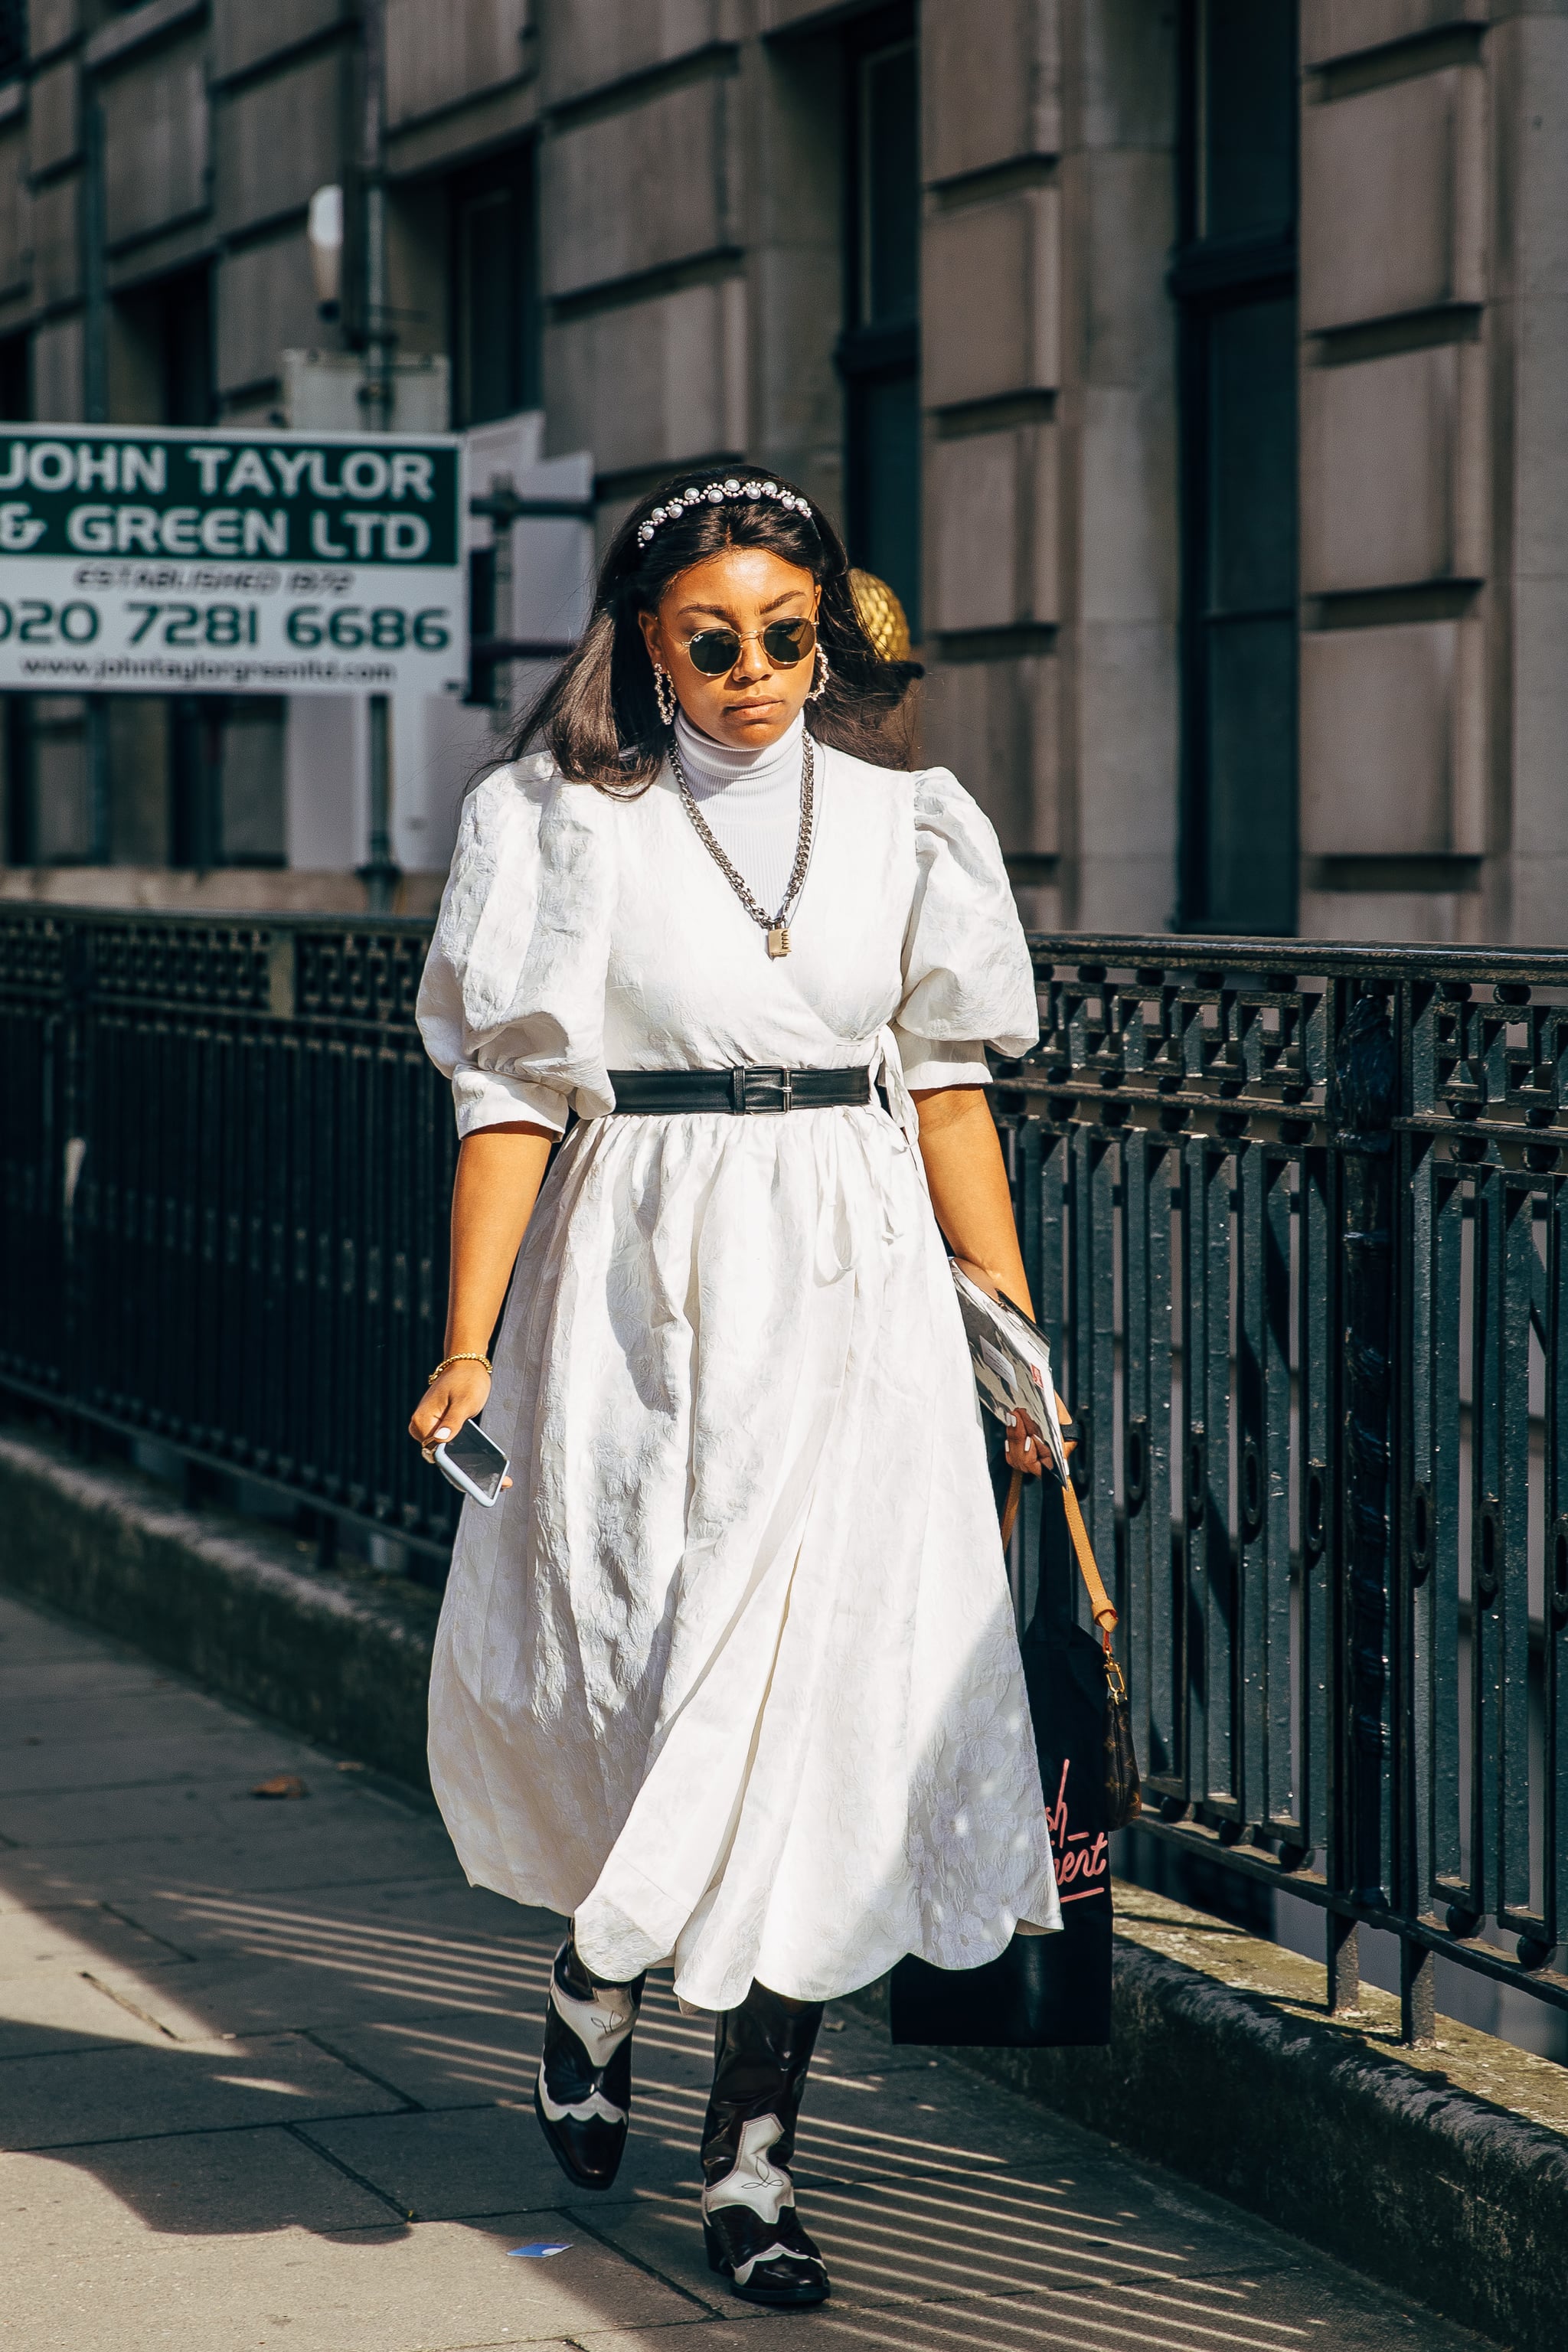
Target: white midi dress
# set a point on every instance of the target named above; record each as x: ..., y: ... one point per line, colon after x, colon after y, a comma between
x: 731, y: 1674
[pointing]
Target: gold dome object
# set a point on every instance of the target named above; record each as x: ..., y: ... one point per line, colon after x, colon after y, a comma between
x: 881, y: 615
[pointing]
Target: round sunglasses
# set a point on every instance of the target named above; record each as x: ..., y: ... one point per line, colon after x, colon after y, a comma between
x: 716, y: 651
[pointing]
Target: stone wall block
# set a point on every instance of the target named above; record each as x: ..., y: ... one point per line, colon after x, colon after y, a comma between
x: 16, y: 259
x: 1129, y: 734
x: 54, y: 116
x: 996, y: 725
x: 1393, y: 200
x: 1128, y: 567
x: 1343, y: 28
x: 266, y: 306
x: 1128, y: 61
x: 57, y: 349
x: 1539, y: 359
x: 1394, y: 741
x: 1126, y: 202
x: 156, y: 142
x: 590, y: 43
x: 50, y: 22
x: 993, y: 505
x: 57, y: 244
x: 438, y: 56
x: 800, y: 400
x: 281, y: 139
x: 639, y: 189
x: 1395, y: 471
x: 1540, y: 803
x: 991, y: 299
x: 990, y: 82
x: 660, y: 383
x: 243, y: 34
x: 1528, y: 56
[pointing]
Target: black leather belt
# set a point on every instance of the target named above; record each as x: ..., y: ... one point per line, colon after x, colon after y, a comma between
x: 741, y: 1090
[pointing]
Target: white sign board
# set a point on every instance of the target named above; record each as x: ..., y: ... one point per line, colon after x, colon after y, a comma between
x: 136, y: 560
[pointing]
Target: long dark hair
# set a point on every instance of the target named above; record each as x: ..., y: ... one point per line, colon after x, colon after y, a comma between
x: 598, y: 716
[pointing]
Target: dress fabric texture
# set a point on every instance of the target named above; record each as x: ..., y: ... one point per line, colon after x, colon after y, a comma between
x: 731, y: 1673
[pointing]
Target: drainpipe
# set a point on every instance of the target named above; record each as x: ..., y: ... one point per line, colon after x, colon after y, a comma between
x: 95, y: 411
x: 380, y: 874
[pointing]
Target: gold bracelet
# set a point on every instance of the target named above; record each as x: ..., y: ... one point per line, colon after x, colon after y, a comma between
x: 469, y: 1356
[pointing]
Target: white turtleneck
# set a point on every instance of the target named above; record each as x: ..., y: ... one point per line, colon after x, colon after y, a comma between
x: 750, y: 802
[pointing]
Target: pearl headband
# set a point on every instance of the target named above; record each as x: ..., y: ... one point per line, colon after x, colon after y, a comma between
x: 717, y: 494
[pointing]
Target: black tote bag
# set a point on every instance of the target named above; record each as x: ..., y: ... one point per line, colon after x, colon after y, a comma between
x: 1044, y: 1990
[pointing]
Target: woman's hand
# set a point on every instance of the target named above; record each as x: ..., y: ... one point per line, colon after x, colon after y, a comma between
x: 453, y: 1396
x: 1024, y: 1450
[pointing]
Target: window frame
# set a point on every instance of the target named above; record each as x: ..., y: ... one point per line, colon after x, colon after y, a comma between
x: 1207, y: 276
x: 511, y: 175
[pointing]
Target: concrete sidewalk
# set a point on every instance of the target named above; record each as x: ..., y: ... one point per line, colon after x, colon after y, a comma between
x: 264, y: 2079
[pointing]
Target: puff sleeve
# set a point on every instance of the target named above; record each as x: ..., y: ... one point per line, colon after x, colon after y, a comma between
x: 511, y: 1004
x: 968, y: 981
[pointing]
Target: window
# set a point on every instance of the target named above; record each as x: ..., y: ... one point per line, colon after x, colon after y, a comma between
x: 1235, y: 280
x: 878, y: 352
x: 494, y: 281
x: 161, y: 352
x: 159, y: 805
x: 12, y: 35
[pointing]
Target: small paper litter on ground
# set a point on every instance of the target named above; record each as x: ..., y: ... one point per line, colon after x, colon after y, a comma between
x: 281, y: 1784
x: 540, y: 2252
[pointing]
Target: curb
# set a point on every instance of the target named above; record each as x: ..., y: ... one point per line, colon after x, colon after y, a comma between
x: 1383, y: 2162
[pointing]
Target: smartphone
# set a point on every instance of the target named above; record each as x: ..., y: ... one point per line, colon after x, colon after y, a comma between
x: 473, y: 1464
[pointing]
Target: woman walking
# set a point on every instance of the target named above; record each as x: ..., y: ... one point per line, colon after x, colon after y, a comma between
x: 730, y: 1676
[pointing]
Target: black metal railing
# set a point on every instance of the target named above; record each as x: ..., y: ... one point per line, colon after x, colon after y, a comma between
x: 225, y: 1165
x: 1296, y: 1219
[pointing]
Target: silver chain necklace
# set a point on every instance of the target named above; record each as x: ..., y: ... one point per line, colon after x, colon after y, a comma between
x: 775, y: 926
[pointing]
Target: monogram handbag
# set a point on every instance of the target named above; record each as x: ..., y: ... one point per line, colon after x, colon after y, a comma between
x: 1123, y: 1792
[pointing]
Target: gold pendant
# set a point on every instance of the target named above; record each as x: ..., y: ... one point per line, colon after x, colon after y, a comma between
x: 778, y: 939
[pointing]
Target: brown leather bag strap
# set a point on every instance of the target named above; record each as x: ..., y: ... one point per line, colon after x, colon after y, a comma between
x: 1100, y: 1601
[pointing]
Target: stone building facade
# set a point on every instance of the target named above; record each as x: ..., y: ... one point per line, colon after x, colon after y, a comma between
x: 1191, y: 367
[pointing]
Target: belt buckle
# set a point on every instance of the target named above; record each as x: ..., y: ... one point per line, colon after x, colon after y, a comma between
x: 765, y: 1090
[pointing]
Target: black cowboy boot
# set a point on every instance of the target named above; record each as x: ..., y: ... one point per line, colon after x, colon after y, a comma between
x: 583, y: 2091
x: 755, y: 2238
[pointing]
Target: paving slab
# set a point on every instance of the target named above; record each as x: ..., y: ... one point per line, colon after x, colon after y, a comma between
x: 78, y: 2097
x: 466, y: 2163
x: 187, y: 2184
x: 50, y: 1766
x: 1295, y: 2310
x: 267, y: 2071
x: 67, y: 1676
x: 255, y: 1857
x: 200, y: 1802
x: 75, y: 1935
x: 441, y: 2287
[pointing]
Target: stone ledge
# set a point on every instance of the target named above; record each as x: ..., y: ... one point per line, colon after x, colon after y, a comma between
x: 1442, y: 2171
x: 341, y: 1656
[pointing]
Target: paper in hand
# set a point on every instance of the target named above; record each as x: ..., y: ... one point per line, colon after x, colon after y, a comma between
x: 1011, y: 1360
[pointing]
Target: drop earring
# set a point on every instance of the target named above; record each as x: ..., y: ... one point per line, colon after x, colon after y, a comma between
x: 819, y: 684
x: 664, y: 692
